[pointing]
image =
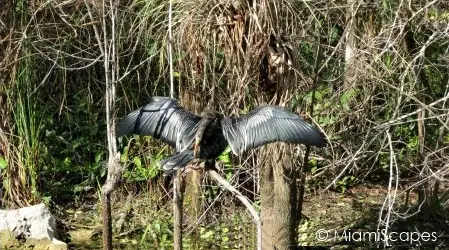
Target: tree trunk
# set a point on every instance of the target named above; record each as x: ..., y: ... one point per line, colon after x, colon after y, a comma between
x: 278, y: 178
x: 192, y: 194
x: 278, y: 193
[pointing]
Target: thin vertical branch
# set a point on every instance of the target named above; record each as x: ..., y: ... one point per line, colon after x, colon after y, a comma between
x: 178, y: 190
x: 391, y: 197
x: 110, y: 64
x: 96, y: 31
x: 170, y: 53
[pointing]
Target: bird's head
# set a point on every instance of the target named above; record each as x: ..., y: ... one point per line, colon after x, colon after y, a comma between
x: 211, y: 114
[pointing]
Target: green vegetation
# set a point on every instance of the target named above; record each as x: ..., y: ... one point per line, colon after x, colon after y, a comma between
x: 384, y: 110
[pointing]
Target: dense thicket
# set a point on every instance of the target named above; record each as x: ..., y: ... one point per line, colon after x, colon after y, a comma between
x: 374, y: 76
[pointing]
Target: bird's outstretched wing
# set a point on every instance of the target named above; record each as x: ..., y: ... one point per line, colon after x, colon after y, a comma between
x: 268, y: 124
x: 163, y: 119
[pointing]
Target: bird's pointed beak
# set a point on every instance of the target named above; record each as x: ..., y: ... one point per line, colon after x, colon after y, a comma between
x: 196, y: 148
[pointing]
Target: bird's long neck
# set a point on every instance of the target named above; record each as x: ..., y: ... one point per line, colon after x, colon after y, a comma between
x: 204, y: 122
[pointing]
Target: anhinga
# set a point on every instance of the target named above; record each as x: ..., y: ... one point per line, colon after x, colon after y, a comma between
x: 208, y: 135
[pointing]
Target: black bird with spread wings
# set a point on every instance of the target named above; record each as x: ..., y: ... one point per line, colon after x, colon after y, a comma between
x: 208, y: 135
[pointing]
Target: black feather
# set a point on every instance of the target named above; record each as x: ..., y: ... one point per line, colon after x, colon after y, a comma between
x: 267, y: 124
x: 164, y: 119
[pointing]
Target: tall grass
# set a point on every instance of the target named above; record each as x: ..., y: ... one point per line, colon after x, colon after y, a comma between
x: 23, y: 99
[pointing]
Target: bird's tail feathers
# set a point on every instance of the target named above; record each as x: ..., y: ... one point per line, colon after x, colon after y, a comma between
x: 174, y: 162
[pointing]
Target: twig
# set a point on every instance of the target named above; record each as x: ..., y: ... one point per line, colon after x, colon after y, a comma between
x: 391, y: 197
x: 170, y: 53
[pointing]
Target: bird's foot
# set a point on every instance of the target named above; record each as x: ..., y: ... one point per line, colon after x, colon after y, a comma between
x: 196, y: 165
